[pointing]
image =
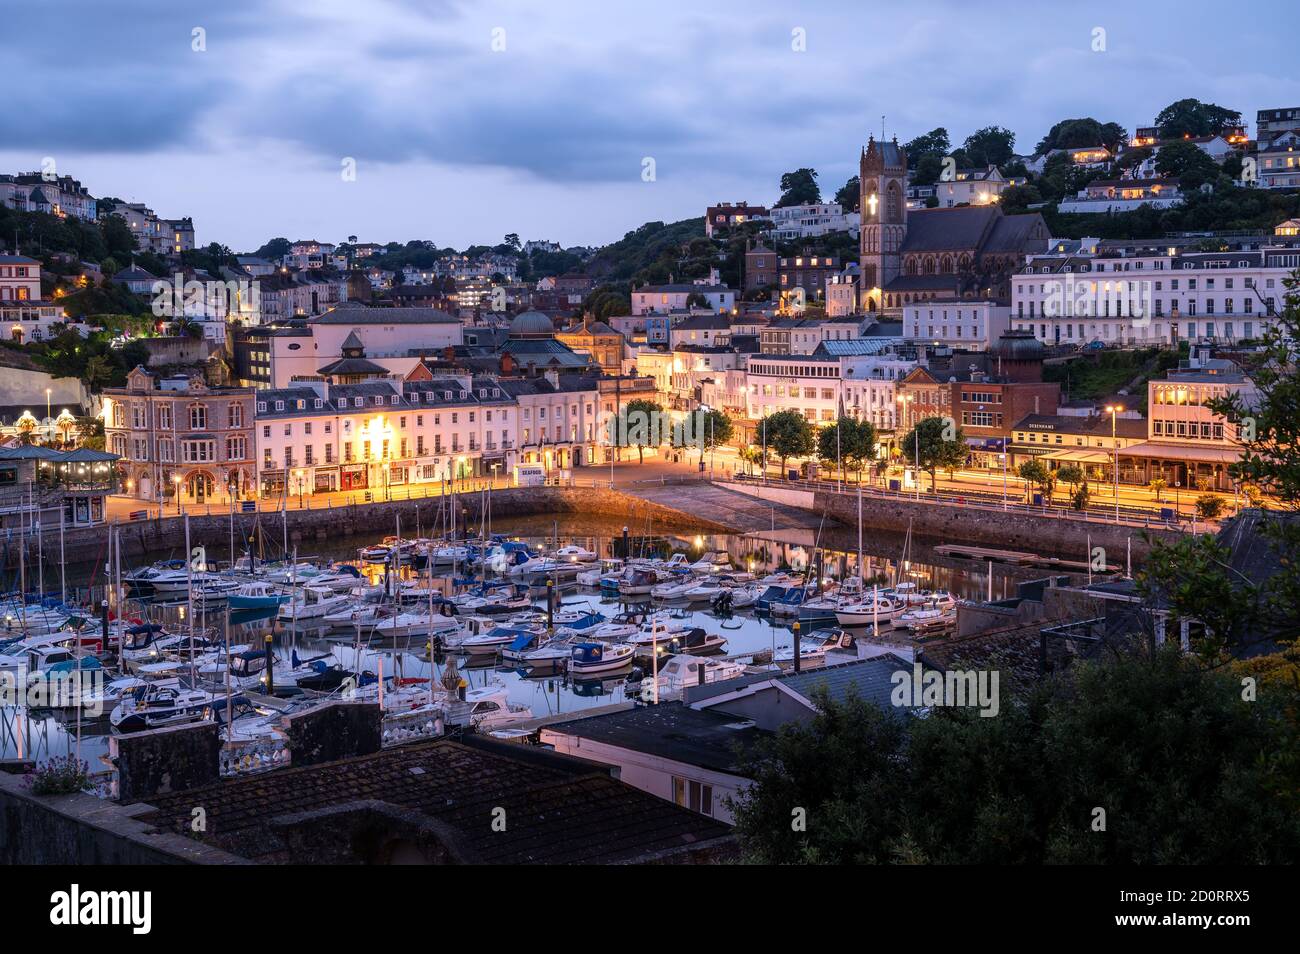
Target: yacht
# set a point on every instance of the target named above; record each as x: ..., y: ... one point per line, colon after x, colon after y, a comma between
x: 703, y: 592
x: 312, y: 604
x: 485, y: 709
x: 592, y: 657
x: 873, y: 609
x: 737, y: 597
x: 675, y: 589
x: 677, y: 673
x: 575, y: 554
x: 813, y: 648
x: 257, y: 594
x: 156, y: 706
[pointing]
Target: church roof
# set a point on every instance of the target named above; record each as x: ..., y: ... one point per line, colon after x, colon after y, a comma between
x: 949, y: 230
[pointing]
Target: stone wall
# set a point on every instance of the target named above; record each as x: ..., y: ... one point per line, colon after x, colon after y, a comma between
x: 166, y: 760
x: 1009, y: 530
x: 143, y: 537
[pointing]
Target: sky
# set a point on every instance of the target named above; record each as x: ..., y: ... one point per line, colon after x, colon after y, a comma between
x: 570, y: 120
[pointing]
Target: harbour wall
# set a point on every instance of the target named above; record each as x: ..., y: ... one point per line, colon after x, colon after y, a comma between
x: 938, y: 521
x: 308, y: 528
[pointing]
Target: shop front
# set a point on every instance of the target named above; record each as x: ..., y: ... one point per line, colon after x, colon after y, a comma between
x: 353, y: 477
x: 272, y: 483
x: 325, y: 480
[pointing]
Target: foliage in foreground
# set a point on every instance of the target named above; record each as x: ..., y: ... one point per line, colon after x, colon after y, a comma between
x: 1185, y: 769
x: 62, y: 775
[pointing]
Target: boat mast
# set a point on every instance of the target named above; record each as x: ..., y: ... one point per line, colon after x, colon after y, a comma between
x: 63, y: 571
x: 189, y: 599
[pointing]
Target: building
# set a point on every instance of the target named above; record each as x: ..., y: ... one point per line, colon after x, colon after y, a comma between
x: 1273, y: 123
x: 726, y: 214
x: 558, y: 421
x: 598, y: 341
x: 662, y: 299
x: 956, y: 323
x: 151, y: 233
x: 1189, y: 446
x: 910, y: 256
x: 51, y: 194
x: 43, y: 487
x: 180, y: 440
x: 1124, y: 195
x: 842, y: 293
x: 1087, y: 442
x: 704, y: 331
x: 970, y: 187
x: 809, y: 273
x: 1278, y: 165
x: 1145, y: 296
x: 378, y: 434
x: 794, y: 222
x: 391, y: 338
x: 24, y: 314
x: 761, y: 267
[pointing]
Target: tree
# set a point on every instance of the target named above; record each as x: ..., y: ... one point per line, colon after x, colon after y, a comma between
x: 849, y: 195
x: 275, y: 249
x: 788, y: 433
x: 1188, y: 162
x: 990, y: 146
x: 1191, y: 117
x: 928, y: 169
x: 1014, y: 199
x: 708, y: 429
x: 934, y: 144
x: 640, y: 424
x: 1036, y: 474
x: 1072, y: 474
x: 934, y: 443
x: 876, y: 786
x: 185, y: 325
x: 799, y: 188
x: 1209, y: 506
x: 99, y: 372
x: 849, y: 442
x: 1080, y: 133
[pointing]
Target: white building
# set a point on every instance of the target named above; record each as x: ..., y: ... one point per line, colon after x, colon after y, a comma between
x: 794, y: 222
x: 971, y: 187
x: 393, y: 338
x: 1145, y: 298
x: 380, y: 434
x: 661, y: 299
x: 956, y: 323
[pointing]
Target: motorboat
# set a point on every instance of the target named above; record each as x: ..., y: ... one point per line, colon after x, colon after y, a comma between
x: 693, y: 641
x: 926, y: 617
x: 155, y: 706
x: 490, y: 642
x: 484, y: 709
x: 257, y: 594
x: 388, y: 548
x: 711, y: 563
x: 675, y: 589
x: 451, y: 555
x: 593, y: 575
x: 575, y: 554
x: 736, y: 597
x: 638, y: 582
x: 592, y: 657
x: 243, y: 668
x: 813, y: 648
x: 310, y: 603
x: 678, y: 673
x: 703, y: 592
x: 403, y: 625
x: 878, y: 608
x: 214, y: 590
x: 580, y: 621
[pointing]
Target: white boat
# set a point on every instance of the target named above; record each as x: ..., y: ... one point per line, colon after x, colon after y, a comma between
x: 703, y: 592
x: 310, y: 603
x: 575, y: 554
x: 485, y: 708
x: 738, y: 597
x: 157, y: 706
x: 674, y: 589
x: 403, y: 625
x: 587, y: 658
x: 677, y: 673
x: 877, y: 609
x: 813, y: 648
x: 246, y: 670
x: 593, y: 576
x: 923, y: 618
x: 448, y: 555
x: 711, y: 563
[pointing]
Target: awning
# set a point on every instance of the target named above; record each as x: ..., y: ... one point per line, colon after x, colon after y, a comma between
x: 1080, y: 456
x: 1182, y: 452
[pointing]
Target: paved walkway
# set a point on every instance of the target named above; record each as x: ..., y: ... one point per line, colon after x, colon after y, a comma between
x: 742, y: 512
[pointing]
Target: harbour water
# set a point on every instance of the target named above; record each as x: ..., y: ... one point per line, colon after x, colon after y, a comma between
x: 41, y: 734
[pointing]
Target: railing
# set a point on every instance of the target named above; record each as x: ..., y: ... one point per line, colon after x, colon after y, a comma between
x: 410, y: 727
x: 254, y: 755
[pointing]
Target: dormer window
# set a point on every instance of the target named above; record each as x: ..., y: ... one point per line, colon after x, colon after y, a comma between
x: 279, y: 405
x: 318, y: 404
x: 261, y: 407
x: 394, y: 399
x: 358, y: 402
x: 343, y: 402
x: 446, y: 395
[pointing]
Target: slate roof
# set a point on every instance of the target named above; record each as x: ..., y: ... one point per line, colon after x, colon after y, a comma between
x: 707, y: 738
x: 352, y: 366
x: 559, y: 810
x: 869, y: 678
x: 348, y: 314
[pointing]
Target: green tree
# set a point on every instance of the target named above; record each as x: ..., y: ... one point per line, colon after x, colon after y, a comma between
x: 1191, y: 117
x: 1081, y: 133
x: 990, y: 146
x: 641, y: 424
x: 99, y: 372
x: 1209, y: 506
x: 1188, y: 162
x: 849, y: 442
x: 1037, y: 474
x: 799, y: 188
x: 935, y: 443
x: 878, y: 787
x: 934, y: 144
x: 705, y: 430
x: 849, y: 194
x: 788, y: 433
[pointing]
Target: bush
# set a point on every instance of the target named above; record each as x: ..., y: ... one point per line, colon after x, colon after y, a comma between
x: 59, y: 776
x: 1209, y: 506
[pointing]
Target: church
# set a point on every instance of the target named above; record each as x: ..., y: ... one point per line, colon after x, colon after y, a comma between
x: 933, y: 254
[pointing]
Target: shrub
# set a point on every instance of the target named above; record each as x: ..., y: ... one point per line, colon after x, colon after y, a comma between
x: 64, y: 775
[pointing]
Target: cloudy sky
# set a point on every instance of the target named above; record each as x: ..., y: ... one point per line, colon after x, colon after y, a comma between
x: 467, y: 120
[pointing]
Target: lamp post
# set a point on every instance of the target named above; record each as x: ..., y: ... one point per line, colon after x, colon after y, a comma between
x: 176, y: 482
x: 905, y: 400
x: 1114, y: 409
x: 48, y: 422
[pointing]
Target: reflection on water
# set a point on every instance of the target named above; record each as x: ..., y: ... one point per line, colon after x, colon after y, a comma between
x: 43, y: 735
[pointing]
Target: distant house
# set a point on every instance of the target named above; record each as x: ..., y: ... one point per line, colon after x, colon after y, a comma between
x: 660, y: 299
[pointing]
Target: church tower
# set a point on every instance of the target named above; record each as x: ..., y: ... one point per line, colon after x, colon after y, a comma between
x: 882, y: 178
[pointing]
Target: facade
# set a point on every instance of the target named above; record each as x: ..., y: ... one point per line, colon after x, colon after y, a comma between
x: 54, y: 195
x: 1278, y: 166
x: 971, y: 187
x: 811, y: 273
x: 911, y: 256
x: 376, y: 435
x: 1272, y: 123
x: 180, y: 440
x: 726, y: 214
x: 151, y: 233
x: 760, y: 267
x: 954, y: 323
x: 1143, y: 297
x: 44, y: 488
x: 794, y: 222
x: 559, y: 423
x: 24, y: 315
x: 601, y: 343
x: 1124, y: 195
x: 662, y: 299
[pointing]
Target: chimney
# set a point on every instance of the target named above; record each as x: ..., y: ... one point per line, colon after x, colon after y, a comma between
x: 507, y: 363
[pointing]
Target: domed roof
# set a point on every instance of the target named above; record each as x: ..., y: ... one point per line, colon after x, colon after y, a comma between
x: 530, y: 324
x: 1019, y: 346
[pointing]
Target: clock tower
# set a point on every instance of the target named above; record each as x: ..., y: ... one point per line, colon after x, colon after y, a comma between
x: 882, y: 178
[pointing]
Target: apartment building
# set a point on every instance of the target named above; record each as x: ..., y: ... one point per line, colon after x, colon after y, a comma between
x: 179, y: 440
x: 1143, y: 297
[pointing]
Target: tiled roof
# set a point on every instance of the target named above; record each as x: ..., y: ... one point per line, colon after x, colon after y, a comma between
x: 558, y: 810
x: 363, y: 315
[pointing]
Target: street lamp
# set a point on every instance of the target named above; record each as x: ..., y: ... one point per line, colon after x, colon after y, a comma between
x: 1113, y: 410
x: 905, y: 400
x: 176, y: 480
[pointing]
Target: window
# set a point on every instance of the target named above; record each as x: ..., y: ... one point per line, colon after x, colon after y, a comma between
x: 236, y: 448
x: 235, y: 415
x: 694, y: 795
x: 198, y: 417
